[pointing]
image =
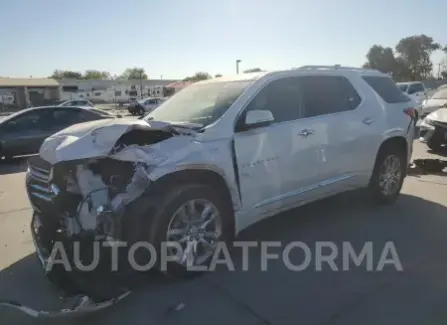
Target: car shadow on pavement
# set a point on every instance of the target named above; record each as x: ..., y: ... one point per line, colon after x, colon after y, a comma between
x: 415, y: 226
x: 441, y: 152
x: 13, y: 166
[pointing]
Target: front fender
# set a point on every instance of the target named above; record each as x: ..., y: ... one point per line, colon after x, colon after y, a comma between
x: 226, y: 174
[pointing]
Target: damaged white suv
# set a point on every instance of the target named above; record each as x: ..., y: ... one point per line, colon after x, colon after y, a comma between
x: 219, y: 156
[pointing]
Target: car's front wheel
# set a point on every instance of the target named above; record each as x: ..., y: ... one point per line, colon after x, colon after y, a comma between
x: 186, y: 224
x: 388, y: 175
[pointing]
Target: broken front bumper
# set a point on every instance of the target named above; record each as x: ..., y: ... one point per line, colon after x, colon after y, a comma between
x: 92, y: 295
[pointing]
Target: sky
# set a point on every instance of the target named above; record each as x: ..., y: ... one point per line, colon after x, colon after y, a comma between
x: 172, y: 39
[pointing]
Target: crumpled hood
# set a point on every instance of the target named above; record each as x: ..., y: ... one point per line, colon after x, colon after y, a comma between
x: 92, y: 139
x: 440, y: 115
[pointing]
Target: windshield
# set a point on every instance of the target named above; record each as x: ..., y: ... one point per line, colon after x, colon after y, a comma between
x: 440, y: 94
x: 201, y: 103
x: 403, y: 88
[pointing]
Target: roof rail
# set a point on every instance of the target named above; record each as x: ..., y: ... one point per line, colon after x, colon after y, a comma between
x: 331, y: 67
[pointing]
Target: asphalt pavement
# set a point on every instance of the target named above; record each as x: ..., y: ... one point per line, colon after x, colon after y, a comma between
x: 417, y: 294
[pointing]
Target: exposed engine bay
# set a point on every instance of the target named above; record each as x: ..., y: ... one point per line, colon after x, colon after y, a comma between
x: 91, y: 194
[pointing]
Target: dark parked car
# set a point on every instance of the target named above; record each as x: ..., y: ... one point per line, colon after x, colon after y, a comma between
x: 23, y: 132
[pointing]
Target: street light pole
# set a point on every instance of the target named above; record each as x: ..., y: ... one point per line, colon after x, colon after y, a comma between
x: 237, y: 65
x: 141, y: 84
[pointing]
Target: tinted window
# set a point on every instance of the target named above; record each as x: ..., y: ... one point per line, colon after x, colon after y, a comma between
x: 387, y: 89
x: 72, y: 116
x: 414, y: 88
x: 34, y: 120
x: 66, y: 116
x: 281, y: 97
x: 327, y: 94
x: 403, y: 87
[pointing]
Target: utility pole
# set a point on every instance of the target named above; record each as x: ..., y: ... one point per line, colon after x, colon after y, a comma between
x: 141, y: 84
x: 237, y: 65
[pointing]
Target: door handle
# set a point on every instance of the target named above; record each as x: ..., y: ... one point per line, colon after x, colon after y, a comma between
x: 367, y: 121
x: 306, y: 132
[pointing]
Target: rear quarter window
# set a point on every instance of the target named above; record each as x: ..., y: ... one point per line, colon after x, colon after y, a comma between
x: 387, y: 89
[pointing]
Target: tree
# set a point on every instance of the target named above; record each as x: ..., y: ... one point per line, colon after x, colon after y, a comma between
x: 415, y: 52
x: 198, y: 76
x: 410, y: 60
x: 95, y: 74
x: 380, y: 58
x: 253, y: 70
x: 66, y: 74
x: 134, y: 73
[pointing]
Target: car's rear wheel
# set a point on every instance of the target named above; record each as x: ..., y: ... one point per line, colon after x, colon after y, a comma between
x: 388, y: 175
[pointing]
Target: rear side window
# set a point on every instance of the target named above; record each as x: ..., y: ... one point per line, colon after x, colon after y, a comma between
x: 327, y: 94
x: 387, y: 89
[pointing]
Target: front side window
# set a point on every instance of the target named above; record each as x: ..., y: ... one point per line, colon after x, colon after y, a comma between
x: 66, y: 116
x: 200, y: 103
x: 327, y: 94
x: 281, y: 97
x: 30, y: 121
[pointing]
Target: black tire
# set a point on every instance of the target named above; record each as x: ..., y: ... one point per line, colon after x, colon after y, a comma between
x: 434, y: 145
x: 156, y: 219
x: 376, y: 193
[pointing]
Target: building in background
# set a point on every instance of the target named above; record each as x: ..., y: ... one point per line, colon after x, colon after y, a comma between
x: 112, y: 91
x: 28, y: 92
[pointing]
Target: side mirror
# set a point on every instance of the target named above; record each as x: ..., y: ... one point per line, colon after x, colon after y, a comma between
x: 257, y: 118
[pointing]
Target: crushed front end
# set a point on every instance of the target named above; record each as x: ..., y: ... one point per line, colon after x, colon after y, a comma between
x: 84, y: 202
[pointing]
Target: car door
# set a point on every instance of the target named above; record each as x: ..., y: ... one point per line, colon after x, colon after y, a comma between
x: 275, y: 163
x: 329, y: 106
x: 25, y: 133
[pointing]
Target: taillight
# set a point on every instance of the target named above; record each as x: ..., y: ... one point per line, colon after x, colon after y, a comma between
x: 411, y: 112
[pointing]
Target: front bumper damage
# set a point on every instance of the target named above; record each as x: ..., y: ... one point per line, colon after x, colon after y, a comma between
x: 80, y: 188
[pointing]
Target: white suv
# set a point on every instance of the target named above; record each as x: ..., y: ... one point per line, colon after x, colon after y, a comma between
x: 221, y: 155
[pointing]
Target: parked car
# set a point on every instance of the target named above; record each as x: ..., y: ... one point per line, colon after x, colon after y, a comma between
x: 23, y: 132
x: 144, y: 105
x: 415, y: 90
x: 436, y: 101
x: 219, y: 156
x: 78, y: 103
x: 433, y: 129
